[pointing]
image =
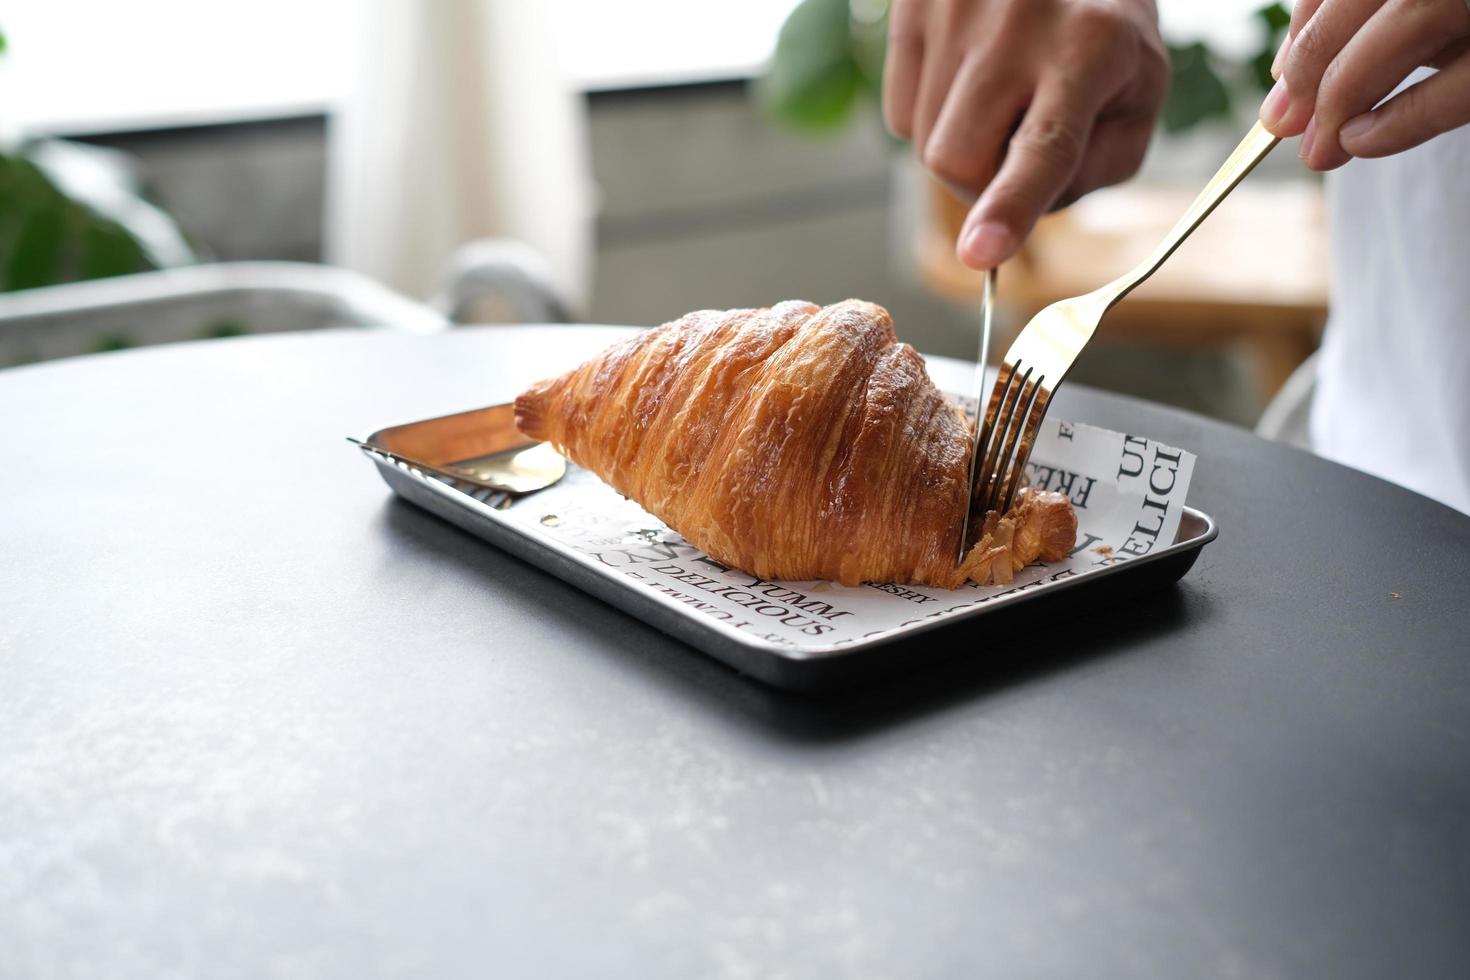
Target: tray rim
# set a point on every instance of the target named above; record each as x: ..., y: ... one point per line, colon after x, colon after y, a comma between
x: 717, y: 631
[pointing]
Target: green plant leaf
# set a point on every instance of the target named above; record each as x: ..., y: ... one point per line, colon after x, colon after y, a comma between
x: 225, y: 327
x: 113, y: 341
x: 870, y: 50
x: 38, y: 249
x: 108, y: 250
x: 24, y: 185
x: 1276, y: 19
x: 46, y: 238
x: 1197, y: 93
x: 814, y: 78
x: 1260, y: 70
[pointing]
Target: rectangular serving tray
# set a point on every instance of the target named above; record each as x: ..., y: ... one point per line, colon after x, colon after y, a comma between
x: 501, y: 519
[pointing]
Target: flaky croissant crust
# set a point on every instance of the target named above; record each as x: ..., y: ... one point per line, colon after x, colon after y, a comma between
x: 794, y: 442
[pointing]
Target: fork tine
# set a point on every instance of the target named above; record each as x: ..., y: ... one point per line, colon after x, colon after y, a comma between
x: 1034, y: 418
x: 1012, y: 411
x: 1004, y: 376
x: 1044, y: 351
x: 1014, y: 385
x: 995, y: 496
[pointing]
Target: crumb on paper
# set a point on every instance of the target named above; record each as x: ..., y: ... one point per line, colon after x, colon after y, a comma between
x: 1104, y: 549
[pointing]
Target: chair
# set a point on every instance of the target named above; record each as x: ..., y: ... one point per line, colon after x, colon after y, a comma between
x: 507, y: 279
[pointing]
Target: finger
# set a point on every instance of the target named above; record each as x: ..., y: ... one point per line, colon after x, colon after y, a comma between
x: 941, y: 64
x: 1301, y: 12
x: 1121, y: 133
x: 1289, y: 106
x: 969, y: 136
x: 1142, y: 98
x: 1114, y: 153
x: 1400, y: 37
x: 1416, y: 115
x: 1280, y: 58
x: 902, y: 65
x: 1452, y: 53
x: 1041, y: 161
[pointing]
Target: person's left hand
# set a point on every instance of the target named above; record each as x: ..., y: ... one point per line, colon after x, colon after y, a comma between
x: 1341, y: 58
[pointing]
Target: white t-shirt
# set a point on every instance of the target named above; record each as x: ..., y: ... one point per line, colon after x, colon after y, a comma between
x: 1393, y: 378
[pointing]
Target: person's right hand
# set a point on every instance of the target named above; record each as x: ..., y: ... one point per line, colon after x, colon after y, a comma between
x: 1027, y: 103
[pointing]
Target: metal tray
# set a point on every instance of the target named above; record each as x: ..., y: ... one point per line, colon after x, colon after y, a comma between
x: 443, y: 447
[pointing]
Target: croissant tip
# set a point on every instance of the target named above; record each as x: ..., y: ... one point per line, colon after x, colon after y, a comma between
x: 530, y: 411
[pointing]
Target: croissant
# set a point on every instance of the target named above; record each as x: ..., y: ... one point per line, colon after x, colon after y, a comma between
x: 794, y: 442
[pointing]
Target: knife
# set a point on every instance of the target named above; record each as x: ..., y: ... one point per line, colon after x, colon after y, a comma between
x: 987, y: 315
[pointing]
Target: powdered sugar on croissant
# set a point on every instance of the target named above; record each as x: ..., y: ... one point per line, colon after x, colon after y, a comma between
x: 794, y: 442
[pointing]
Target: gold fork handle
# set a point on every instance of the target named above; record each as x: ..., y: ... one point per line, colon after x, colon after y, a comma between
x: 1251, y: 151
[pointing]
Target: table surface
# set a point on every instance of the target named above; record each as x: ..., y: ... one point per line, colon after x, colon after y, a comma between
x: 257, y: 718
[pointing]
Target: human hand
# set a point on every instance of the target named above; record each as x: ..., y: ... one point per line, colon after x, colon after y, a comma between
x: 1343, y: 57
x: 1027, y: 103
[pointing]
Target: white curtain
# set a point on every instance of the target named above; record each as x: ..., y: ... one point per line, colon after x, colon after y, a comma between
x: 459, y: 127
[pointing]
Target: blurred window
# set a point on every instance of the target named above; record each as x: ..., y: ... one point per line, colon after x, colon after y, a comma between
x: 652, y: 42
x: 88, y: 66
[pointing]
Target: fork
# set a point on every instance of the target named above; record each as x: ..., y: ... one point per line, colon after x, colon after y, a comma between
x: 1045, y: 350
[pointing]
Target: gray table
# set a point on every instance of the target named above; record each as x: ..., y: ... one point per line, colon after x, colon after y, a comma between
x: 259, y: 719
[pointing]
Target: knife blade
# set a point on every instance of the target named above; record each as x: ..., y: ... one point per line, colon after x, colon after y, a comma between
x: 987, y: 315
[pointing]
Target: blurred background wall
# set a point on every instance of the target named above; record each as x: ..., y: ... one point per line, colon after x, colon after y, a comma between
x: 653, y: 169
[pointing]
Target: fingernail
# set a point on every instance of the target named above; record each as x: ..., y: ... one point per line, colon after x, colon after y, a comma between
x: 1357, y: 128
x: 1280, y: 61
x: 1308, y: 138
x: 986, y: 245
x: 1275, y: 106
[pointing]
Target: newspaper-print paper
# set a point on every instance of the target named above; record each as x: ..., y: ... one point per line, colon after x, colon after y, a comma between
x: 1129, y: 492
